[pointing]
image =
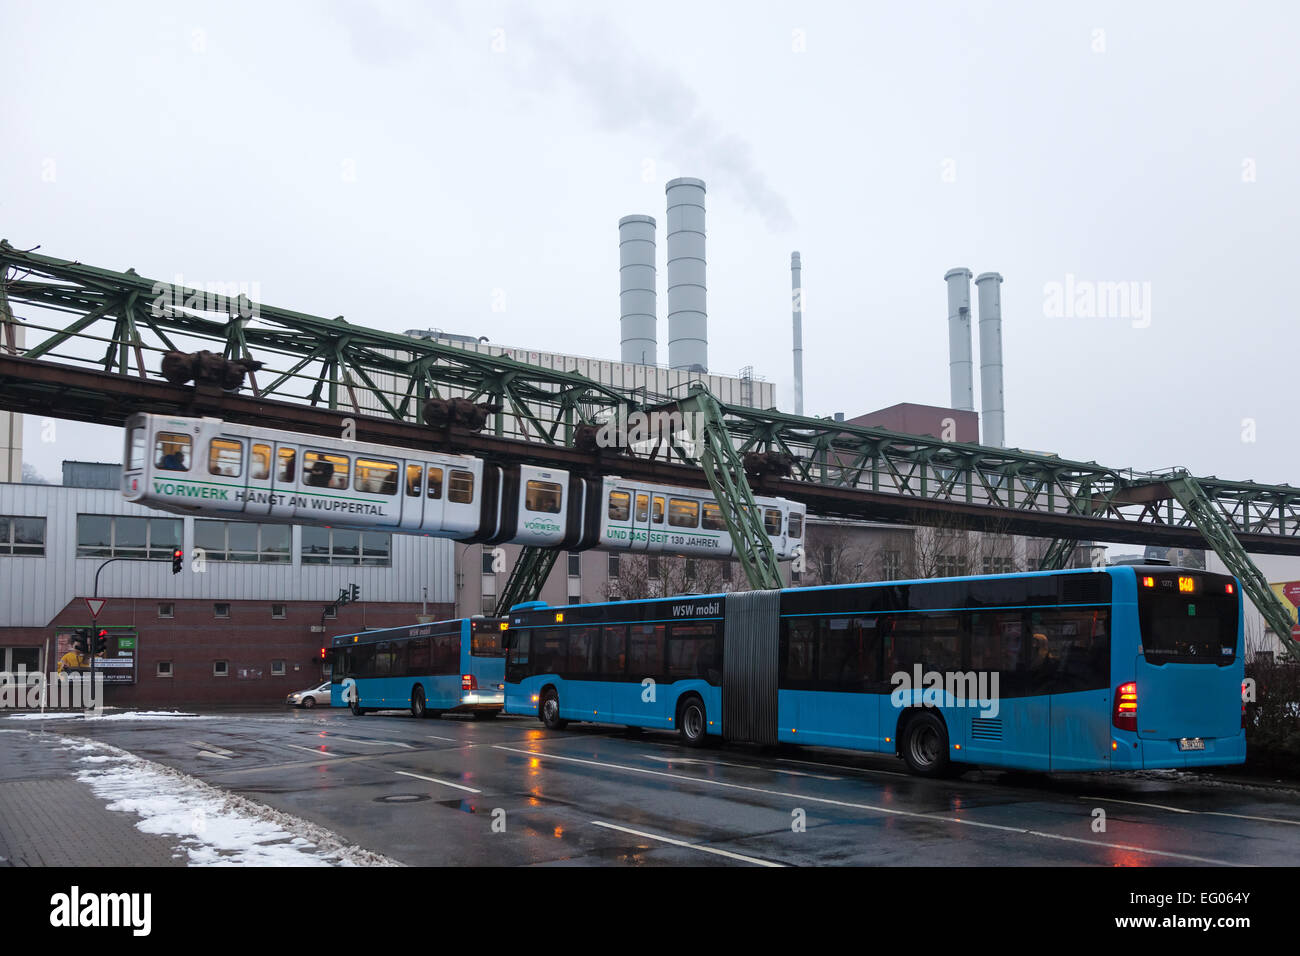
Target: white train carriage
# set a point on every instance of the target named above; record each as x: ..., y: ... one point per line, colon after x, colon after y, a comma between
x: 661, y: 519
x: 211, y: 467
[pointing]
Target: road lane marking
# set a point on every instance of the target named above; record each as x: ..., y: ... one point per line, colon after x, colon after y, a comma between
x: 216, y: 751
x: 372, y: 743
x: 310, y: 750
x: 445, y: 783
x: 744, y: 766
x: 835, y: 766
x: 450, y: 740
x: 690, y: 846
x: 209, y: 753
x: 866, y: 806
x: 1205, y: 813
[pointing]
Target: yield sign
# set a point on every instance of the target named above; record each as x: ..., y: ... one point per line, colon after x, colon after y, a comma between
x: 96, y: 605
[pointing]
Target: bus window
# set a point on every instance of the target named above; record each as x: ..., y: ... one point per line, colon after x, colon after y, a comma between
x: 683, y: 513
x: 261, y: 461
x: 772, y: 522
x: 288, y: 465
x: 645, y: 650
x: 435, y: 482
x: 420, y: 656
x: 583, y: 645
x: 376, y: 477
x: 326, y: 471
x: 620, y: 505
x: 801, y: 646
x: 461, y: 489
x: 713, y: 517
x: 642, y: 507
x: 613, y: 650
x: 225, y: 458
x: 849, y: 653
x: 414, y: 473
x: 796, y: 524
x: 172, y: 452
x: 543, y: 496
x: 657, y: 515
x: 549, y: 650
x: 486, y: 642
x: 137, y: 449
x: 693, y: 652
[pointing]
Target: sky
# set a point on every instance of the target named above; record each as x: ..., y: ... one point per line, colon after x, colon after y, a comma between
x: 464, y: 166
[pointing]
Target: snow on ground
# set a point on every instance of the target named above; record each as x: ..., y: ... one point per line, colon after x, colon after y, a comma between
x: 214, y: 827
x: 125, y: 715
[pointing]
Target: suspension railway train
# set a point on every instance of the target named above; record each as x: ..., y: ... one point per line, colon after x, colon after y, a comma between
x: 205, y: 466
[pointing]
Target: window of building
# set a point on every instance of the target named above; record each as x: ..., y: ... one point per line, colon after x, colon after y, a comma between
x: 221, y: 609
x: 336, y: 546
x: 998, y: 565
x: 575, y: 565
x: 22, y: 537
x: 891, y: 565
x: 331, y: 612
x: 486, y: 560
x: 164, y: 669
x: 243, y: 541
x: 613, y: 565
x: 277, y: 668
x: 166, y: 609
x: 950, y: 566
x: 652, y: 565
x: 118, y: 536
x: 220, y: 668
x: 278, y: 612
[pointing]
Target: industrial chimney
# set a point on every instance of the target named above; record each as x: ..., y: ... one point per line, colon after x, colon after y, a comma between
x: 989, y: 285
x: 796, y: 299
x: 636, y: 293
x: 688, y: 338
x: 960, y: 368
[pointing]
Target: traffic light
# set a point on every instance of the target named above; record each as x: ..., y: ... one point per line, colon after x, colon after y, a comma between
x: 322, y: 653
x: 101, y: 642
x: 355, y: 594
x: 178, y: 558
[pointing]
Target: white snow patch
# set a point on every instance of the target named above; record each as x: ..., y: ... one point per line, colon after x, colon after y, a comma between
x: 144, y: 715
x: 102, y: 758
x: 216, y: 828
x: 48, y: 715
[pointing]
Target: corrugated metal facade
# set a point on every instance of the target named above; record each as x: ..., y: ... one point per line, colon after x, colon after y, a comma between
x: 34, y: 589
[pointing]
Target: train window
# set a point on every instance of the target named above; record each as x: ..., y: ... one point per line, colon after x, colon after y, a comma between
x: 642, y: 507
x: 225, y: 457
x: 683, y: 513
x: 772, y: 522
x: 543, y: 496
x: 414, y: 475
x: 620, y: 505
x: 461, y: 489
x: 322, y: 470
x: 713, y: 517
x: 376, y: 477
x: 288, y: 465
x: 137, y: 449
x: 796, y: 524
x: 172, y: 452
x: 261, y: 461
x: 435, y: 482
x: 657, y: 515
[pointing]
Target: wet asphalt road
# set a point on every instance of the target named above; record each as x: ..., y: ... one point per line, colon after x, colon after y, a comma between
x: 455, y: 791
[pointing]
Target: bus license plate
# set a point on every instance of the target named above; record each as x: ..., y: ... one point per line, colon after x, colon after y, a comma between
x: 1191, y: 743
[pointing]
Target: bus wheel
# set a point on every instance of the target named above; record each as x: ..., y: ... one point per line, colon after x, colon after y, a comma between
x: 550, y: 711
x: 691, y: 723
x: 356, y: 708
x: 417, y: 703
x: 925, y: 745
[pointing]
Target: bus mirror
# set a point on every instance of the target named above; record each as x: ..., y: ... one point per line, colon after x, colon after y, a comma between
x: 507, y: 639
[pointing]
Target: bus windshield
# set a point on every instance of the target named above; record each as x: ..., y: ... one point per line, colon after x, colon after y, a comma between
x: 1194, y: 626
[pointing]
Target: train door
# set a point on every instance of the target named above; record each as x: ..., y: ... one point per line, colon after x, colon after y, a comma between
x: 412, y: 496
x: 221, y: 470
x: 618, y: 516
x: 658, y: 536
x: 284, y: 478
x: 257, y: 499
x: 641, y: 520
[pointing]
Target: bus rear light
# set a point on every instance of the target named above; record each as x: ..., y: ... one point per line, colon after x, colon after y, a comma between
x: 1229, y: 589
x: 1126, y: 706
x: 1148, y: 582
x: 468, y: 682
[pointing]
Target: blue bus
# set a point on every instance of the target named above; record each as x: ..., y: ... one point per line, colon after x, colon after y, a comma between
x: 1099, y: 669
x: 453, y: 666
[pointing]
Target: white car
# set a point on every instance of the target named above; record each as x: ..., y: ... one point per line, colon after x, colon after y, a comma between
x: 310, y: 698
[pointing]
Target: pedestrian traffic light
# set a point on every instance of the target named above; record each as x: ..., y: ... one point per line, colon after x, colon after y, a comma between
x: 355, y: 595
x: 178, y: 558
x: 101, y: 642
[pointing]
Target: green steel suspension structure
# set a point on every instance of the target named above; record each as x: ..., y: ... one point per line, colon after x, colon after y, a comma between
x: 75, y: 317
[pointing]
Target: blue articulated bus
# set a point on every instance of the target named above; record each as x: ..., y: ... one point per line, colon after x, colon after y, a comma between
x: 453, y: 666
x: 1101, y: 669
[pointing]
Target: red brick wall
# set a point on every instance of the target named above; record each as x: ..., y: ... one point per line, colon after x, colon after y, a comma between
x: 248, y: 641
